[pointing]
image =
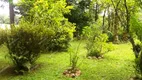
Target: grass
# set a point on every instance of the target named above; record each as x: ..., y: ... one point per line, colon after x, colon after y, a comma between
x: 116, y: 65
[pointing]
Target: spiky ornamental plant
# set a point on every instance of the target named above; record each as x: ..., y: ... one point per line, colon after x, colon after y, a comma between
x: 74, y: 57
x: 73, y: 71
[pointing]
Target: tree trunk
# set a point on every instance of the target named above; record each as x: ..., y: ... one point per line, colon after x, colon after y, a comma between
x: 96, y: 12
x: 135, y: 47
x: 112, y: 22
x: 11, y: 13
x: 116, y: 40
x: 116, y: 24
x: 103, y: 24
x: 109, y: 22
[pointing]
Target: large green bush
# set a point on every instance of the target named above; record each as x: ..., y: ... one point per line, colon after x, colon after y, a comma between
x: 59, y: 42
x: 50, y: 14
x: 24, y: 44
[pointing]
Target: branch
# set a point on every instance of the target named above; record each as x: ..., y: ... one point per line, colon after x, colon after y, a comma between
x: 115, y: 7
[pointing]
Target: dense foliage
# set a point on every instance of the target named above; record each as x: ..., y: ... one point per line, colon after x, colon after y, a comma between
x: 3, y: 35
x: 96, y: 40
x: 46, y: 29
x: 50, y: 14
x: 81, y: 17
x: 24, y: 43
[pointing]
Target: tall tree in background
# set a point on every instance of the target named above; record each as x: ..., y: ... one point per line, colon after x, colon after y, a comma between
x: 11, y: 12
x: 79, y: 15
x: 139, y: 2
x: 130, y: 9
x: 116, y: 24
x: 23, y: 8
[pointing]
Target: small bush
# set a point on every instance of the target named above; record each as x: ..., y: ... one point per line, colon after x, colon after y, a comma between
x: 24, y: 43
x: 3, y: 35
x: 109, y: 47
x: 138, y: 65
x: 59, y: 41
x: 110, y: 36
x: 96, y: 40
x: 137, y: 42
x: 97, y: 45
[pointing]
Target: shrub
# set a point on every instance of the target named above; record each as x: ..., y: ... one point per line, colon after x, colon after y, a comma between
x: 24, y: 44
x: 60, y: 40
x: 50, y: 15
x: 110, y: 36
x: 138, y: 65
x: 109, y: 47
x: 96, y: 40
x: 3, y: 35
x: 96, y: 46
x: 137, y: 42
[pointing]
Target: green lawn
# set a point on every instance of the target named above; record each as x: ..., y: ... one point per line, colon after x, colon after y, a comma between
x: 116, y: 65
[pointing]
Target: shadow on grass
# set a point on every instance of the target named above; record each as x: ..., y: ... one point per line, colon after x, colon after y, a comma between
x: 9, y: 71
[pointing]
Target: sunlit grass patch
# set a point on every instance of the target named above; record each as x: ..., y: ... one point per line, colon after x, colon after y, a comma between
x: 117, y: 64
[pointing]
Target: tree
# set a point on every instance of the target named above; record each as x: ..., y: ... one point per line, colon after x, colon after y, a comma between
x: 81, y: 16
x: 116, y: 24
x: 23, y: 8
x: 11, y: 12
x: 129, y: 11
x: 139, y: 2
